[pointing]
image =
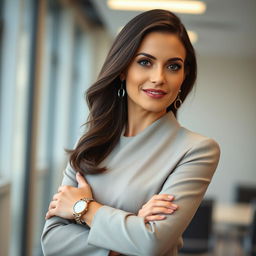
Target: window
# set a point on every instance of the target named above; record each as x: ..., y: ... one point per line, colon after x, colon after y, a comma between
x: 59, y: 106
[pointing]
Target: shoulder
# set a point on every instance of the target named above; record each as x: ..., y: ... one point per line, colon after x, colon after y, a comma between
x: 186, y: 141
x: 199, y: 144
x: 186, y: 138
x: 195, y: 138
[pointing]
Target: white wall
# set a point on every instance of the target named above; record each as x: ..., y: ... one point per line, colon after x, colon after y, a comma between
x: 223, y: 107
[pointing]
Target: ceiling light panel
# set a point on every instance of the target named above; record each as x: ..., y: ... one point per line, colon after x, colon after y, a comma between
x: 189, y: 7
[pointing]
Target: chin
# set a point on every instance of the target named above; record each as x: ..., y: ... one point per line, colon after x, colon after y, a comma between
x: 156, y: 110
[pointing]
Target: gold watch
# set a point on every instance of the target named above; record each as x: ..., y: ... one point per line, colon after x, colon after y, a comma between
x: 80, y: 208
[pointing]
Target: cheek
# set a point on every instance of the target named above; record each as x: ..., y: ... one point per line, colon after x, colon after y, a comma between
x: 134, y: 81
x: 176, y: 81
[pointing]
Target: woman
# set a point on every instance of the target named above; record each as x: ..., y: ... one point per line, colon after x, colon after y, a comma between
x: 140, y: 174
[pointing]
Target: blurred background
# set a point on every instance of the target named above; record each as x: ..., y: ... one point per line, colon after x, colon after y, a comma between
x: 52, y: 50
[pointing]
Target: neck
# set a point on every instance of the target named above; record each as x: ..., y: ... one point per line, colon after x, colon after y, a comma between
x: 139, y: 120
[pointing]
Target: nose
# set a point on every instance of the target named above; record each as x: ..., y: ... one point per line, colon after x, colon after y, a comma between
x: 157, y: 76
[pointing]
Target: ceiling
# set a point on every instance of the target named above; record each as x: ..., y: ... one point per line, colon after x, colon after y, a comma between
x: 227, y: 28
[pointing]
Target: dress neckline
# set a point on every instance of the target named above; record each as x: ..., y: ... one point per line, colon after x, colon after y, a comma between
x: 162, y: 119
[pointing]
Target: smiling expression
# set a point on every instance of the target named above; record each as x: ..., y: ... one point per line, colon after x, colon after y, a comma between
x: 154, y: 77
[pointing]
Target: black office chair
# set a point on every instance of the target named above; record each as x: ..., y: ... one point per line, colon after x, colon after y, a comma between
x: 245, y: 193
x: 250, y: 238
x: 198, y: 236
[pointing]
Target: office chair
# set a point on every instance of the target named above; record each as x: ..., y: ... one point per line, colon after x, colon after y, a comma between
x: 245, y: 193
x: 250, y: 238
x: 198, y: 235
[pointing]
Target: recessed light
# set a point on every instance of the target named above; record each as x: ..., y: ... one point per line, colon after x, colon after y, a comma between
x: 189, y: 7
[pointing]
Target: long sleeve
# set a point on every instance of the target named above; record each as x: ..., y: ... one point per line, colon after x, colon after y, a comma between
x: 164, y: 158
x: 65, y: 238
x: 126, y: 233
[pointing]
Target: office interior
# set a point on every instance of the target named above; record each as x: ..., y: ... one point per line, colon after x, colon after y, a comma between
x: 52, y: 50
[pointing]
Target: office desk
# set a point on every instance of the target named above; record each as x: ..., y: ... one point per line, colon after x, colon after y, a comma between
x: 237, y: 214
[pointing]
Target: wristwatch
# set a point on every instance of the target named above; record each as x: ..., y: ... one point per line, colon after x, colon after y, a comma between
x: 80, y: 208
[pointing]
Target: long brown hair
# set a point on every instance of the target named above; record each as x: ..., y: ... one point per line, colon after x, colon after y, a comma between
x: 108, y: 112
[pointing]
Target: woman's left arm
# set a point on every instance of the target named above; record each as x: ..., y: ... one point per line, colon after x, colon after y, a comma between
x: 61, y: 236
x: 63, y: 201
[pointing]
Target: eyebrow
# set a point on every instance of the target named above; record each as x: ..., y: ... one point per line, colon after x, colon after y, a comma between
x: 154, y: 58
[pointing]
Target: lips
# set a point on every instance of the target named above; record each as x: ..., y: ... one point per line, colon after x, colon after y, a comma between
x: 155, y: 93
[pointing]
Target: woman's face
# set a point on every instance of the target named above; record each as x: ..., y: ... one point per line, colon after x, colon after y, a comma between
x: 154, y: 77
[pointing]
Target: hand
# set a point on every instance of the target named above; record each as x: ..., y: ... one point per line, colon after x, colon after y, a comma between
x: 157, y: 208
x: 62, y: 202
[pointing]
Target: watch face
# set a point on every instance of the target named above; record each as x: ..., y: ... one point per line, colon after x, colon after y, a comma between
x: 79, y: 206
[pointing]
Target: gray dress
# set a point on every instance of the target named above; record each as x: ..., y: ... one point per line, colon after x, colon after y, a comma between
x: 163, y: 158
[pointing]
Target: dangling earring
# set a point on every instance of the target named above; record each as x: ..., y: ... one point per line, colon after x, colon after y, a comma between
x: 178, y: 101
x: 121, y: 90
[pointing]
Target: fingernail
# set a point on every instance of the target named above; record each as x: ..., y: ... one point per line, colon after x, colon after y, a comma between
x: 170, y: 197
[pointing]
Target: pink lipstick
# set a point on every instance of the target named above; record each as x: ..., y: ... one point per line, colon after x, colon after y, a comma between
x: 153, y: 93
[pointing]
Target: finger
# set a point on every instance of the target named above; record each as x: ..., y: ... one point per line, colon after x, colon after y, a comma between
x: 81, y: 180
x: 154, y: 218
x: 60, y: 189
x: 52, y: 205
x: 162, y: 203
x: 166, y: 197
x: 55, y: 197
x: 155, y: 211
x: 49, y: 214
x: 174, y: 206
x: 159, y: 210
